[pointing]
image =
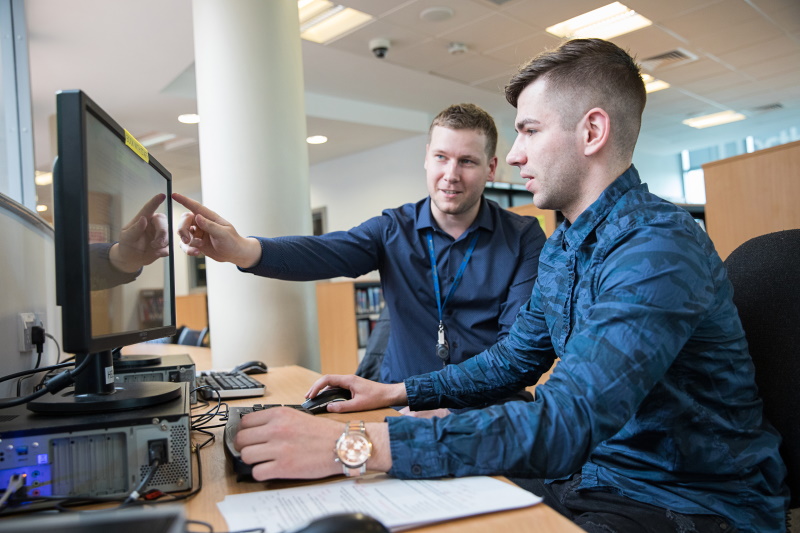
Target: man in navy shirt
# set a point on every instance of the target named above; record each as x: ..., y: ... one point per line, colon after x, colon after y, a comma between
x: 454, y: 266
x: 651, y: 421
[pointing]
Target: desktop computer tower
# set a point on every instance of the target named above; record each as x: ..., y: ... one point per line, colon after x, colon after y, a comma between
x: 97, y: 454
x: 172, y: 368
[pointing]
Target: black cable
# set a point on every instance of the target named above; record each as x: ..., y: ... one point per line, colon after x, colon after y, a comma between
x: 53, y: 386
x: 135, y: 493
x: 35, y: 371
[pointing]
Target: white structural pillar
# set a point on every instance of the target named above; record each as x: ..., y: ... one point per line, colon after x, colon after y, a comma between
x: 254, y: 167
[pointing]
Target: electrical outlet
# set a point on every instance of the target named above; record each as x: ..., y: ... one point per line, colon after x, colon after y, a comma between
x: 26, y: 322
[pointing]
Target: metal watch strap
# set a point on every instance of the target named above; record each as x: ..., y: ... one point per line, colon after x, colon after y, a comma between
x: 359, y: 428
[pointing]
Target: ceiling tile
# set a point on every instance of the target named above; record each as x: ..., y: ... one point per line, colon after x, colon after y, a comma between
x: 688, y: 72
x: 708, y: 84
x: 490, y: 32
x: 777, y: 46
x: 711, y: 18
x: 426, y: 55
x: 464, y: 13
x: 473, y: 69
x: 736, y: 36
x: 658, y: 10
x: 771, y: 67
x: 497, y: 84
x: 520, y: 52
x: 648, y: 42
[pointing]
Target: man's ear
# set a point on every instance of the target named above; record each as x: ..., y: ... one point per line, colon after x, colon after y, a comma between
x: 595, y: 130
x: 492, y: 169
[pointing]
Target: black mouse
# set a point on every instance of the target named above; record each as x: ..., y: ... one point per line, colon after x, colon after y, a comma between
x: 319, y: 403
x: 344, y: 523
x: 251, y: 367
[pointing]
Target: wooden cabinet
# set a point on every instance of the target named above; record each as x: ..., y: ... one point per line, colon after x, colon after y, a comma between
x: 547, y: 218
x: 344, y: 307
x: 751, y: 195
x: 191, y: 310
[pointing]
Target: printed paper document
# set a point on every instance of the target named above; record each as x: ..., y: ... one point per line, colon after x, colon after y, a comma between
x: 398, y: 504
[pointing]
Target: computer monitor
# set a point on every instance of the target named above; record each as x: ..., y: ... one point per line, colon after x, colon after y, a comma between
x: 114, y: 279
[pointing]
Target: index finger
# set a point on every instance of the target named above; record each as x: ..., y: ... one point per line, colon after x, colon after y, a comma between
x: 196, y: 207
x: 149, y: 208
x: 331, y: 380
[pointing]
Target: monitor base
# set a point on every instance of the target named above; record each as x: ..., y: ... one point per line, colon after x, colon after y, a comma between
x: 125, y: 396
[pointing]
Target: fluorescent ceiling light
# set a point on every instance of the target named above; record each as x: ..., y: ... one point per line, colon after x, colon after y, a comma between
x: 714, y: 119
x: 652, y: 84
x: 43, y: 178
x: 603, y: 23
x: 317, y: 139
x: 189, y: 118
x: 322, y: 21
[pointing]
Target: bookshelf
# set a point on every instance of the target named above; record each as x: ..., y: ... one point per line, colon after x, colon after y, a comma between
x: 151, y: 308
x: 346, y: 313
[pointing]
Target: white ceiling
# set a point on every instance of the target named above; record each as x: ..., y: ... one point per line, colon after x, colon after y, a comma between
x: 135, y: 59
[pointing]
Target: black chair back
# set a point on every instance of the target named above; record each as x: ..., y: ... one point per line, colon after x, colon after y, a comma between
x: 765, y: 272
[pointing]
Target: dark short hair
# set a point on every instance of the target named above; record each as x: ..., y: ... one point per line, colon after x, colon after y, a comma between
x: 585, y: 73
x: 468, y: 117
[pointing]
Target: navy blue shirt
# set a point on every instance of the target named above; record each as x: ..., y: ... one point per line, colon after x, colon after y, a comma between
x: 654, y: 395
x: 497, y: 281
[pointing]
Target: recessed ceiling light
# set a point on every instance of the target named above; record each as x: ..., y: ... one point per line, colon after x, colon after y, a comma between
x: 43, y: 178
x: 41, y: 208
x: 436, y: 14
x: 189, y: 118
x: 714, y: 119
x: 317, y: 139
x: 652, y: 84
x: 322, y: 21
x: 602, y: 23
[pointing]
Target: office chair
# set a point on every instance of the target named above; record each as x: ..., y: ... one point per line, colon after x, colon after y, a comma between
x: 192, y: 337
x: 370, y: 365
x: 765, y: 272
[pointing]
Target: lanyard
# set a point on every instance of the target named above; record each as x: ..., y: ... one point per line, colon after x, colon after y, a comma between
x: 439, y: 303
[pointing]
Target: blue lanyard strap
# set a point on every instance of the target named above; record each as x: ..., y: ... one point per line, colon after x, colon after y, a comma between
x: 439, y: 303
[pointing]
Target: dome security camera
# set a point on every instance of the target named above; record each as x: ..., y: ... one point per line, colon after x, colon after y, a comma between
x: 380, y: 47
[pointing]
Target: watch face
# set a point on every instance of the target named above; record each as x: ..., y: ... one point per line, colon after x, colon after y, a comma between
x: 353, y: 449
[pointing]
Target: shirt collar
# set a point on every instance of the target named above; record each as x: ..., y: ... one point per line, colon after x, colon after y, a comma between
x: 575, y: 234
x: 424, y: 218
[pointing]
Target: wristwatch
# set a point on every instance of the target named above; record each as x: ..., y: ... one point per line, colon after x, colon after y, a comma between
x: 353, y: 449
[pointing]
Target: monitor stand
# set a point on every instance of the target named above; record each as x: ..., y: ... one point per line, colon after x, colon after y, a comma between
x: 95, y: 391
x: 134, y: 361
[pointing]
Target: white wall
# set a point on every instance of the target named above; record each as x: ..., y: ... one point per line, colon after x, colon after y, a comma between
x: 27, y: 273
x: 357, y: 187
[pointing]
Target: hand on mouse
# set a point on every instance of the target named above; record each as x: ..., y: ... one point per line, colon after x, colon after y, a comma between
x: 284, y: 443
x: 366, y: 394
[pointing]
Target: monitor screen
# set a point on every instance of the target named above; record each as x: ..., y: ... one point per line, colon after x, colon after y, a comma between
x: 114, y: 269
x: 114, y: 230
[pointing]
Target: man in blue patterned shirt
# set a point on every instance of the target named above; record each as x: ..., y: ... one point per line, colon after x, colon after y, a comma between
x: 651, y: 421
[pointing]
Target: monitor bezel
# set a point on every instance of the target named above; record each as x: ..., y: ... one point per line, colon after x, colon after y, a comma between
x: 71, y: 204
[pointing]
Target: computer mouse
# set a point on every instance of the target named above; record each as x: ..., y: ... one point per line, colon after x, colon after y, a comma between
x: 319, y: 403
x: 344, y: 523
x: 251, y: 367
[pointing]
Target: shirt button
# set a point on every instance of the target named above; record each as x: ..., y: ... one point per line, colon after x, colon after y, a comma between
x: 452, y: 278
x: 416, y: 470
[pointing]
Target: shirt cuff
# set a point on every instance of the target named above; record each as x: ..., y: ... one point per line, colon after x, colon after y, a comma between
x: 415, y: 454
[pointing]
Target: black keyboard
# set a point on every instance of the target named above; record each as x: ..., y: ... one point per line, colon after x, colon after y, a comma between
x: 228, y: 385
x: 243, y: 470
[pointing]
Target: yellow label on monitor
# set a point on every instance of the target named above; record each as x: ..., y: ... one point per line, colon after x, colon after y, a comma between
x: 136, y: 146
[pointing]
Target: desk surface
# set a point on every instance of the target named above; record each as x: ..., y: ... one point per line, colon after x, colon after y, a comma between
x: 287, y: 385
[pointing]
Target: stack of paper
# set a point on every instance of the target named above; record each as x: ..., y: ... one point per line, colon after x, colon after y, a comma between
x: 398, y: 504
